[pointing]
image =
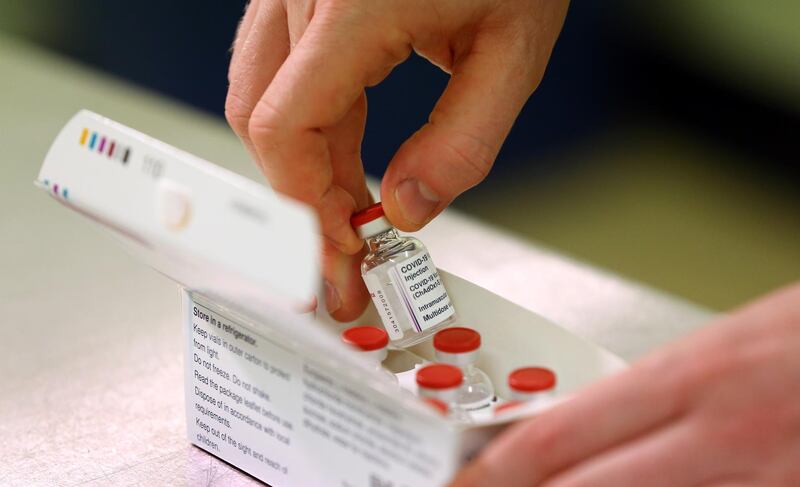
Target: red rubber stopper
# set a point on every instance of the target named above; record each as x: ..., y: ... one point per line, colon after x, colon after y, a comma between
x: 439, y: 376
x: 531, y: 379
x: 366, y: 338
x: 458, y: 339
x: 368, y: 214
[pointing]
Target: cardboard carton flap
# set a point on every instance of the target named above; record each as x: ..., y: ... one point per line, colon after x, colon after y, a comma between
x: 207, y: 228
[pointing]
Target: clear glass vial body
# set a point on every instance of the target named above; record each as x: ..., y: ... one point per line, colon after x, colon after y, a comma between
x: 477, y: 391
x: 405, y: 288
x: 532, y: 397
x: 448, y: 397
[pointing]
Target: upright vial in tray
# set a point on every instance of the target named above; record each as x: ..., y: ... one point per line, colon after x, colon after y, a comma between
x: 440, y: 383
x: 371, y: 342
x: 529, y: 385
x: 460, y: 346
x: 437, y: 385
x: 402, y: 280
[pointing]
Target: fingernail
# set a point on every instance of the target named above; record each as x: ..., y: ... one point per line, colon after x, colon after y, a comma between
x: 332, y: 299
x: 417, y: 201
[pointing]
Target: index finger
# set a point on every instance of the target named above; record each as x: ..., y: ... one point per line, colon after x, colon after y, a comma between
x: 339, y: 54
x: 607, y: 413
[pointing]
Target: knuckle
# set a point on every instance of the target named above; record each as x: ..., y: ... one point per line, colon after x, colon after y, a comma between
x: 237, y: 113
x: 702, y: 375
x: 337, y: 10
x: 265, y: 124
x: 335, y: 4
x: 470, y: 153
x: 388, y: 55
x: 341, y: 6
x: 531, y: 40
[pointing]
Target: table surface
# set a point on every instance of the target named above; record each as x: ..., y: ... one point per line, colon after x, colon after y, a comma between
x: 91, y: 362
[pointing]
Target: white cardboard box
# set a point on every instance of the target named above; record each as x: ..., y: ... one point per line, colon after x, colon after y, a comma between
x: 270, y: 390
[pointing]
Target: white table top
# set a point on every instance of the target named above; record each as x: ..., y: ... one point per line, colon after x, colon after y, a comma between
x: 91, y: 361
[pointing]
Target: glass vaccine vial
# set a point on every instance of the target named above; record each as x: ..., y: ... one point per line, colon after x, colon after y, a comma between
x: 402, y: 280
x: 439, y: 382
x: 529, y: 385
x: 372, y: 343
x: 460, y: 346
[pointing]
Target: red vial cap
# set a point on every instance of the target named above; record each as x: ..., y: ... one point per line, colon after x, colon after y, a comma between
x: 368, y: 214
x: 458, y: 339
x: 437, y: 404
x: 439, y: 376
x: 531, y: 379
x: 366, y: 338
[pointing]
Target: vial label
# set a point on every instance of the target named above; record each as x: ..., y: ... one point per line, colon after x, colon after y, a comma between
x: 421, y: 291
x: 383, y: 306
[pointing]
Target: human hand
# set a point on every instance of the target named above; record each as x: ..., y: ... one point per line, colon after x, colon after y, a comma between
x: 717, y: 408
x: 297, y: 101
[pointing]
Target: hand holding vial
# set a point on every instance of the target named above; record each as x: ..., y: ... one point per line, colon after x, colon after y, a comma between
x: 297, y: 100
x: 402, y: 280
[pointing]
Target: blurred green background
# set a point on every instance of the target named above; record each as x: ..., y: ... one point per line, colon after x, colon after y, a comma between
x: 662, y: 144
x: 703, y: 205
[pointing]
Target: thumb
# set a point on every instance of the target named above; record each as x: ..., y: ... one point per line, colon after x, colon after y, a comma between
x: 456, y: 149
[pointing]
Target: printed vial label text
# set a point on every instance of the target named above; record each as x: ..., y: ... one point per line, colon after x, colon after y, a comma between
x: 387, y: 314
x: 421, y: 291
